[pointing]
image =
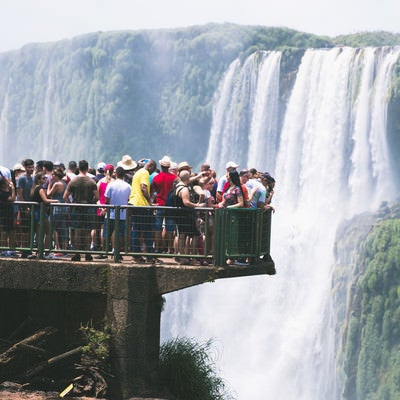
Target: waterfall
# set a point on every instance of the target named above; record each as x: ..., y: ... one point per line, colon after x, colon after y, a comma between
x: 245, y: 115
x: 275, y: 334
x: 4, y: 128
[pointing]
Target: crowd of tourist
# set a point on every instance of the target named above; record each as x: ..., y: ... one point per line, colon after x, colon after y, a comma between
x: 169, y: 201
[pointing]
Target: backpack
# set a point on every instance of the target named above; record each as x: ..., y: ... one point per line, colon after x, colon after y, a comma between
x: 173, y: 198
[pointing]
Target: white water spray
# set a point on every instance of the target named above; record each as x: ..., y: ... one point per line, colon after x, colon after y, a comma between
x: 276, y: 333
x: 245, y: 115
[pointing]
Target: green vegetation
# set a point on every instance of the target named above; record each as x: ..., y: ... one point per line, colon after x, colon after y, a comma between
x: 187, y: 371
x: 97, y: 342
x: 365, y: 39
x: 372, y: 346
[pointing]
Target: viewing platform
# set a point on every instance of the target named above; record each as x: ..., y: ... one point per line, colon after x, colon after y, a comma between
x: 126, y: 295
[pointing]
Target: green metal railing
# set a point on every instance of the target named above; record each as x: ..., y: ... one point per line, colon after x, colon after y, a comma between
x: 237, y: 232
x: 241, y: 233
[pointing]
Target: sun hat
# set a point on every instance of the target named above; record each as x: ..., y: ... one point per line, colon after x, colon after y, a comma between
x: 127, y: 163
x: 231, y: 164
x: 165, y: 162
x: 18, y: 167
x: 183, y: 165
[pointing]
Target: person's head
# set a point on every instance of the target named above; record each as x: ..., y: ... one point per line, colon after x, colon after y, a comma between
x: 120, y: 172
x: 83, y: 166
x: 150, y: 166
x: 18, y: 169
x: 231, y: 166
x: 184, y: 166
x: 59, y: 164
x: 109, y: 171
x: 173, y: 169
x: 127, y: 163
x: 40, y: 178
x: 58, y: 173
x: 39, y: 166
x: 29, y: 166
x: 252, y: 173
x: 48, y: 166
x: 72, y: 166
x: 267, y: 180
x: 184, y: 176
x: 271, y: 182
x: 244, y: 176
x: 165, y: 163
x: 205, y: 167
x: 234, y: 178
x: 100, y: 167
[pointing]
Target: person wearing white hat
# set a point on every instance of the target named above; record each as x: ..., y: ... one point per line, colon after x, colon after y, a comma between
x: 127, y: 163
x: 161, y: 185
x: 129, y: 167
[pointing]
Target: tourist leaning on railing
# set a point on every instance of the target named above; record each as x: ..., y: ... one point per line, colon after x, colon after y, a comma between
x: 7, y: 231
x: 82, y: 190
x: 39, y: 195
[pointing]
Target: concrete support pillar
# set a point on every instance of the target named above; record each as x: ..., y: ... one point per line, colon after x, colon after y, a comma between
x: 133, y: 313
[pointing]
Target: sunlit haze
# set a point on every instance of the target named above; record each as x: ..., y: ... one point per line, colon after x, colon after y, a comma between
x: 27, y: 21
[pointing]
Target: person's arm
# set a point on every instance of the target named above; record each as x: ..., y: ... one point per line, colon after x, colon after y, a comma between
x: 45, y: 199
x: 12, y: 196
x: 200, y: 192
x: 20, y: 193
x: 67, y: 193
x: 53, y: 188
x: 145, y: 192
x: 185, y: 196
x: 96, y: 194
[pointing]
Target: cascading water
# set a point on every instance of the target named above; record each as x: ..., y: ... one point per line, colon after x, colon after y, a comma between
x: 276, y: 334
x: 245, y: 114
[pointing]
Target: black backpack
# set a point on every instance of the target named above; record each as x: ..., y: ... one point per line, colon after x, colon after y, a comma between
x: 173, y: 198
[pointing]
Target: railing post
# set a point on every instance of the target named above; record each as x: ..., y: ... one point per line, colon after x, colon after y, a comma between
x: 40, y: 238
x: 219, y: 237
x: 116, y: 233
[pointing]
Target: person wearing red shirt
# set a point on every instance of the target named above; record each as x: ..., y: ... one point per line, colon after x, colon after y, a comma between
x: 161, y: 185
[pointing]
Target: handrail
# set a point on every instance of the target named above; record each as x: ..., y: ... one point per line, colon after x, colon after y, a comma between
x: 225, y: 233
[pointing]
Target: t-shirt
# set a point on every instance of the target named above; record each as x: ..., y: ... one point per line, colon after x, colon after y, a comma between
x: 136, y: 197
x: 25, y: 183
x: 260, y: 194
x: 118, y: 192
x: 231, y: 196
x: 162, y: 185
x: 82, y: 189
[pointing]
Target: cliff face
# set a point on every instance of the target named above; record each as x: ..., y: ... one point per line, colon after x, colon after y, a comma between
x: 367, y: 303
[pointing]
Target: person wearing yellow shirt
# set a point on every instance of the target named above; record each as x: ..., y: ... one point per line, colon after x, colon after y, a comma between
x: 142, y: 217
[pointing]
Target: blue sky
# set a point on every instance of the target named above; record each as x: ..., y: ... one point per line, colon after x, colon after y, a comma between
x: 26, y: 21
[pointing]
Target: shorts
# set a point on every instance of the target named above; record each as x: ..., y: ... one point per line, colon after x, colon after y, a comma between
x: 83, y: 217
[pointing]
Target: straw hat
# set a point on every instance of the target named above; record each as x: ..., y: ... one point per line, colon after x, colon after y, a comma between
x: 165, y: 162
x: 183, y: 165
x: 127, y: 163
x: 18, y: 167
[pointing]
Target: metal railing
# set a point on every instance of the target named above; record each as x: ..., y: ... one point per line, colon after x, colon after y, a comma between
x: 201, y: 235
